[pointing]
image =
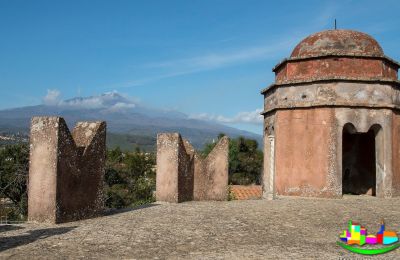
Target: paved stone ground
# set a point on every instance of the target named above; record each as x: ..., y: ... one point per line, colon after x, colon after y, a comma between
x: 287, y: 228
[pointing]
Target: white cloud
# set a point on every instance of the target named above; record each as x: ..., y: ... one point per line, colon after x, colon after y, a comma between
x: 274, y: 47
x: 216, y: 60
x: 252, y: 117
x: 120, y: 107
x: 224, y: 59
x: 109, y: 102
x: 52, y: 98
x: 88, y: 103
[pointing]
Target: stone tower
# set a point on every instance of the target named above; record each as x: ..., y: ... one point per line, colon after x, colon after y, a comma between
x: 332, y: 119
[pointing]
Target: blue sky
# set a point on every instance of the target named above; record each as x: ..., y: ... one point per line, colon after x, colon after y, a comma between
x: 208, y: 59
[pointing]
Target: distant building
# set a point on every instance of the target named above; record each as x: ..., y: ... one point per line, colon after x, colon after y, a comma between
x: 332, y: 119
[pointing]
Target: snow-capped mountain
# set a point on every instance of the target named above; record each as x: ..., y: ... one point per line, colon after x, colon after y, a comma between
x: 123, y: 116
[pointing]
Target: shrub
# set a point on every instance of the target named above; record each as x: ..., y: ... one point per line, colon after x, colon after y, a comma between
x: 14, y: 163
x: 130, y: 178
x: 245, y: 160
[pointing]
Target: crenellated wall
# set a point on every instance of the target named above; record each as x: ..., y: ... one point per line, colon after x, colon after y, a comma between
x: 66, y: 170
x: 183, y: 175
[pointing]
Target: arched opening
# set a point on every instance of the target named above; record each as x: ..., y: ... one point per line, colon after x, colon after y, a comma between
x: 359, y: 161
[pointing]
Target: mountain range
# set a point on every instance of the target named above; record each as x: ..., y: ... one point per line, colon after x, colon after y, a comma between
x: 129, y: 124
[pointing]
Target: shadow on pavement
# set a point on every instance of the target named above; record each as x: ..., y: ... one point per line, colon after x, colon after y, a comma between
x: 110, y: 212
x: 31, y: 236
x: 4, y: 228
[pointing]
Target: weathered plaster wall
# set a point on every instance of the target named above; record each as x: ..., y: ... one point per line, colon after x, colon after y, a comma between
x: 66, y: 171
x: 308, y: 150
x: 396, y: 154
x: 304, y: 146
x: 169, y: 151
x: 42, y: 185
x: 328, y: 67
x: 350, y: 94
x: 211, y: 173
x: 183, y: 175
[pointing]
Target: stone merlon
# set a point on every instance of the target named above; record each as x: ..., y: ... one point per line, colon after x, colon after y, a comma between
x: 66, y: 170
x: 183, y: 174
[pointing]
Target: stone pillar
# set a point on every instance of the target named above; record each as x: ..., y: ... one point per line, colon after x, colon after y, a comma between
x: 66, y: 170
x: 174, y: 179
x: 182, y: 174
x: 268, y: 179
x: 271, y: 171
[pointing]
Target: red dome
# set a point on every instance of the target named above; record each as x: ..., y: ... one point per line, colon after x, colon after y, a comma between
x: 337, y: 42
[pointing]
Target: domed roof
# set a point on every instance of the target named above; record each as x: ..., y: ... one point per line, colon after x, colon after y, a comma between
x: 337, y: 42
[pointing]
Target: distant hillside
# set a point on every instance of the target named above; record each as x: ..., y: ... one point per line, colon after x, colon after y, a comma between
x: 130, y: 142
x: 128, y: 124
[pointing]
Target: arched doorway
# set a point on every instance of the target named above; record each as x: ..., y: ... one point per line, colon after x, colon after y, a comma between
x: 358, y: 161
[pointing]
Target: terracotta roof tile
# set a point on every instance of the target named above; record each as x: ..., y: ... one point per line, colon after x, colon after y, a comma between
x: 241, y: 192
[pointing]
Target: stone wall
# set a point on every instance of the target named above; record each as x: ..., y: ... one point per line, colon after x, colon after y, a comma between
x: 183, y: 175
x: 328, y: 67
x: 303, y: 152
x: 174, y: 179
x: 66, y: 170
x: 396, y: 154
x: 318, y: 94
x: 308, y: 157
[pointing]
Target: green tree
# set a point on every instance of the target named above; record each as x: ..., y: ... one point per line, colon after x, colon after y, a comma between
x: 130, y: 178
x: 14, y: 163
x: 115, y: 155
x: 245, y: 160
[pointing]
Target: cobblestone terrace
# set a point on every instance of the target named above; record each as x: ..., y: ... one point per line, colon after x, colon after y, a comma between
x: 287, y: 228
